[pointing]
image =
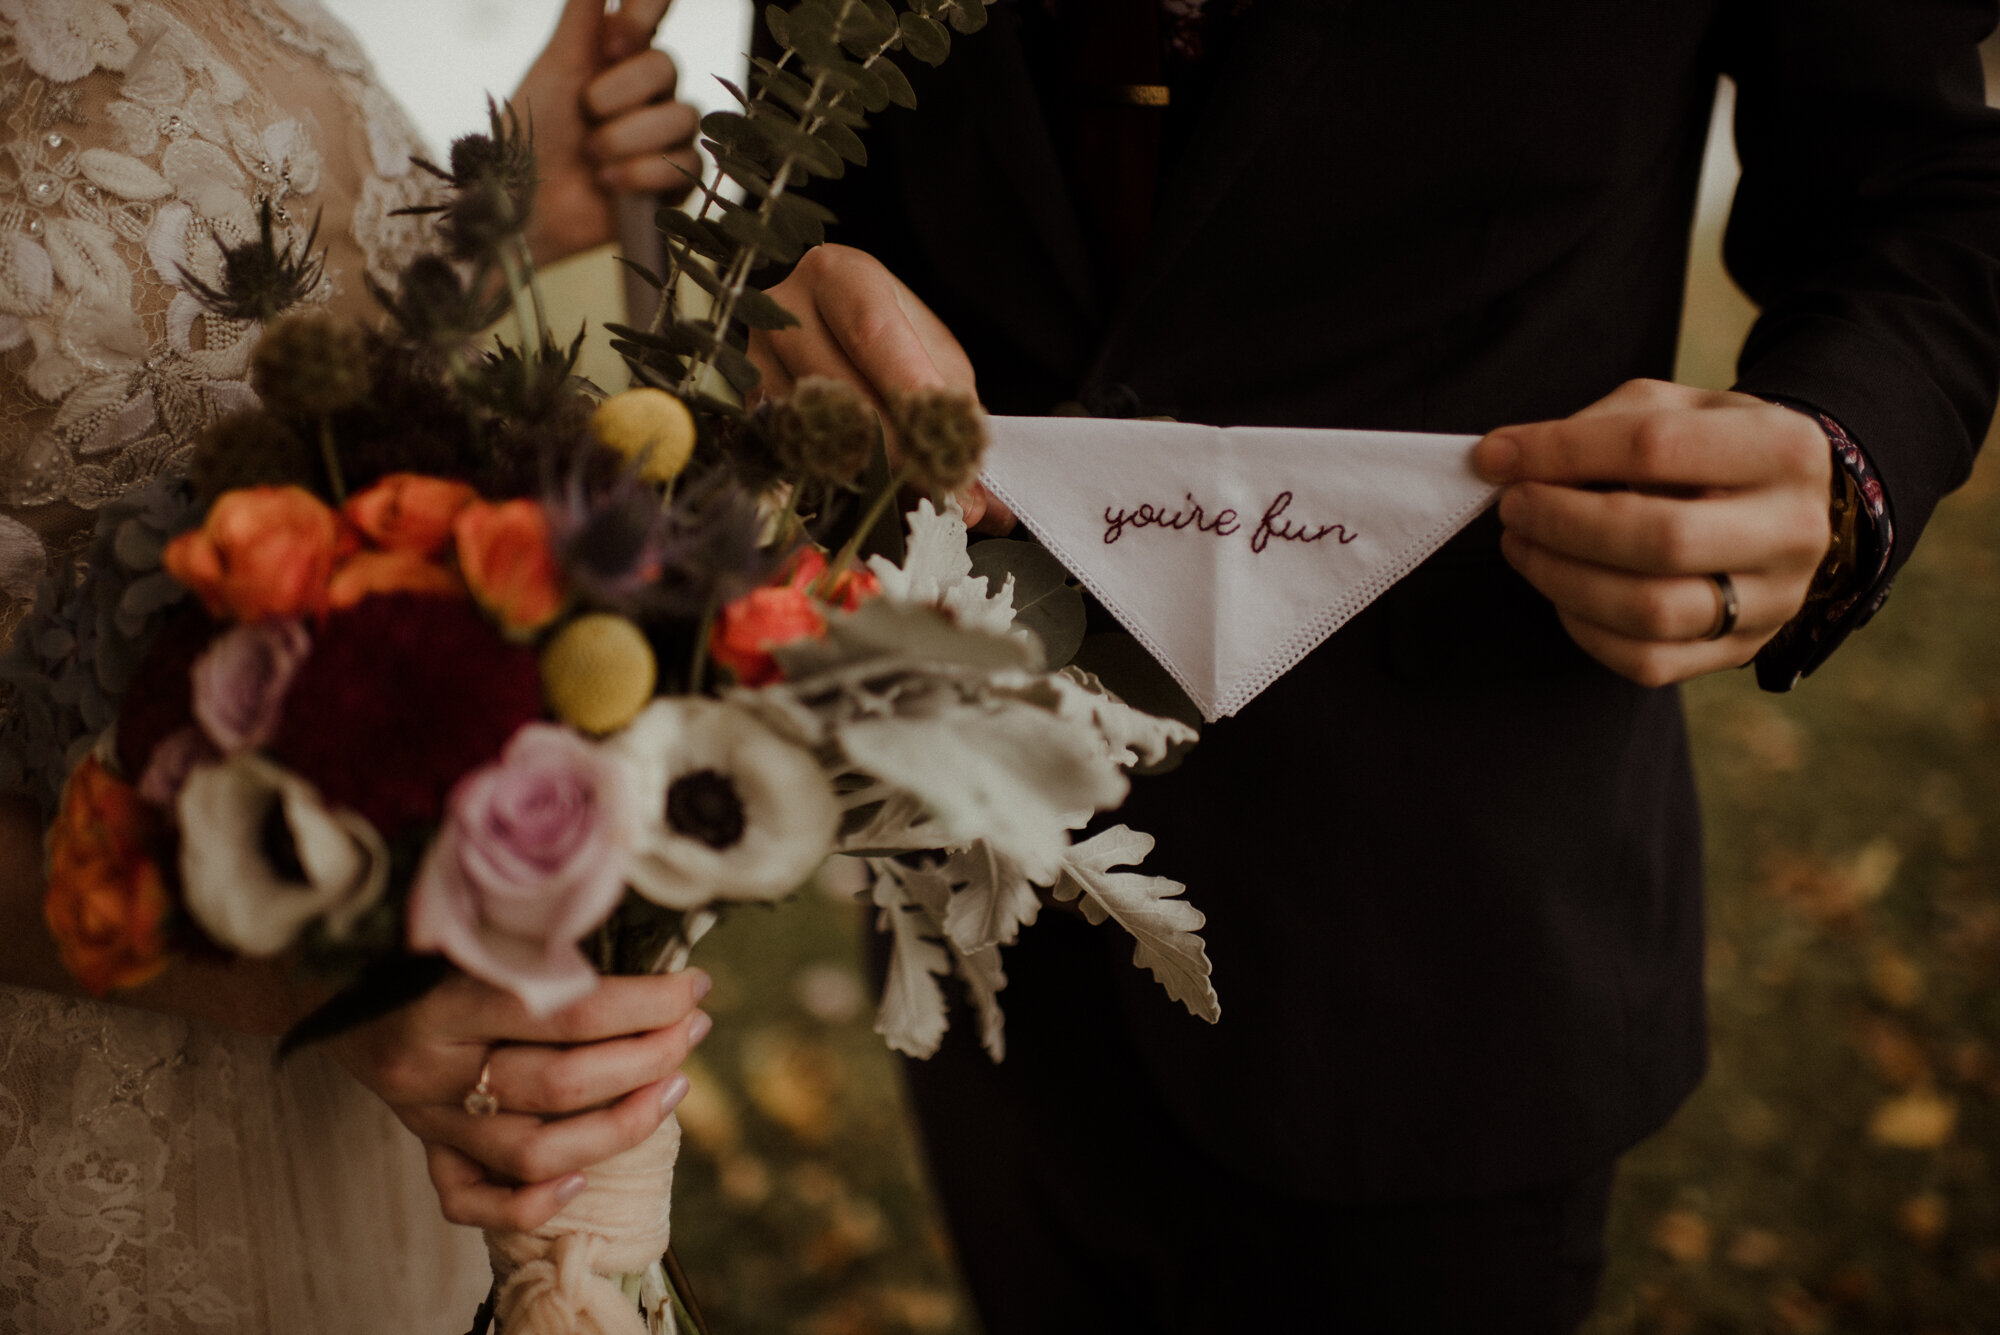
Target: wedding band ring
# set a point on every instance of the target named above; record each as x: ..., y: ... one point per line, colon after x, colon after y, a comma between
x: 480, y: 1101
x: 1728, y: 606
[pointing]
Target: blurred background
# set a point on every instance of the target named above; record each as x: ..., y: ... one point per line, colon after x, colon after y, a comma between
x: 1836, y: 1173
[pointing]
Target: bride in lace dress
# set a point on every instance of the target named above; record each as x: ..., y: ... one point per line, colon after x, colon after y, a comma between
x: 157, y: 1173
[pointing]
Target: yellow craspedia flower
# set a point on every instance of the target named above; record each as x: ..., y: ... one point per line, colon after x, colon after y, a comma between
x: 650, y: 426
x: 598, y: 672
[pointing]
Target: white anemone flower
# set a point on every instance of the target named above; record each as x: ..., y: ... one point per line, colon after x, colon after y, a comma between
x: 730, y: 810
x: 263, y: 856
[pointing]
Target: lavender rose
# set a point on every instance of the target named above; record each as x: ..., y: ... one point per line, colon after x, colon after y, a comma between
x: 531, y: 856
x: 240, y: 682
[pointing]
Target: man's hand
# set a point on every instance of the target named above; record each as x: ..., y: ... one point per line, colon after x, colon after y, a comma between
x: 606, y: 123
x: 1622, y: 513
x: 859, y: 323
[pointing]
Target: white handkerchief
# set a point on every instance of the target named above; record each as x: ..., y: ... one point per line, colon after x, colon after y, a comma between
x: 1232, y: 552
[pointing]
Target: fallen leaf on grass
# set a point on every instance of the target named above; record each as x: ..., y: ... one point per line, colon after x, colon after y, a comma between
x: 1923, y: 1218
x: 708, y: 1115
x: 1797, y: 1312
x: 793, y: 1083
x: 745, y: 1181
x: 1895, y: 979
x: 1755, y: 1249
x: 855, y: 1229
x: 1895, y: 1054
x: 1919, y: 1120
x: 1684, y: 1236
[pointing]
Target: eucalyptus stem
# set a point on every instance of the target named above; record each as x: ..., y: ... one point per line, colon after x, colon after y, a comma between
x: 852, y: 547
x: 698, y: 665
x: 335, y: 480
x: 814, y: 114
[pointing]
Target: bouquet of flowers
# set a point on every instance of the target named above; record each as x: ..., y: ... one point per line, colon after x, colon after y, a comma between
x: 441, y: 657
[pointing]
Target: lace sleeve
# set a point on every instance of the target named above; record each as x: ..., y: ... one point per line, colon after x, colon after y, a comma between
x: 136, y: 138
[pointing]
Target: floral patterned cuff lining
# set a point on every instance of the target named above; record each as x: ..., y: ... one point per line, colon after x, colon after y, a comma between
x: 1836, y: 607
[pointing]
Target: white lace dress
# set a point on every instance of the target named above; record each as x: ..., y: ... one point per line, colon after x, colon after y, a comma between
x: 159, y: 1175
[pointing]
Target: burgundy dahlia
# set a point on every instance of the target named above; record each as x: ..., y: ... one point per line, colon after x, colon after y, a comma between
x: 403, y: 695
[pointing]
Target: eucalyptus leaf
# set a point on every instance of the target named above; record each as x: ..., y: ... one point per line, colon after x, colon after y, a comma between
x: 925, y: 38
x: 645, y: 275
x: 1046, y: 601
x: 844, y: 142
x: 896, y: 82
x: 747, y: 229
x: 968, y: 15
x: 774, y: 80
x: 752, y: 176
x: 149, y: 594
x: 788, y: 139
x: 870, y: 90
x: 760, y: 310
x: 697, y: 234
x: 736, y: 368
x: 799, y: 206
x: 863, y: 29
x: 742, y: 98
x: 777, y: 25
x: 137, y: 545
x: 734, y: 130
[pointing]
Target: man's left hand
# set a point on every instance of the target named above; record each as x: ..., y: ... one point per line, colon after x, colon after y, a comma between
x: 1622, y: 514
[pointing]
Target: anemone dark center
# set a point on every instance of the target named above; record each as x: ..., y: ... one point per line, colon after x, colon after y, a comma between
x: 704, y: 805
x: 276, y: 842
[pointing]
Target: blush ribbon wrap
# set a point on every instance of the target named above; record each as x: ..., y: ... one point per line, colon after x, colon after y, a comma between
x: 563, y: 1278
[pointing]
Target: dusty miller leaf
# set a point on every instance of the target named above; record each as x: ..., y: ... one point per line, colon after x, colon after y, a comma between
x: 991, y: 900
x: 912, y: 1016
x: 983, y: 977
x: 937, y: 571
x: 1005, y: 772
x: 1045, y: 600
x: 1162, y: 926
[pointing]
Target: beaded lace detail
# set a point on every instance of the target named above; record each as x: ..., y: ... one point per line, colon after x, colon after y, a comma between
x: 137, y: 137
x: 159, y: 1175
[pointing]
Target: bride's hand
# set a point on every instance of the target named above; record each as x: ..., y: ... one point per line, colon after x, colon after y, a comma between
x: 606, y: 123
x: 574, y: 1088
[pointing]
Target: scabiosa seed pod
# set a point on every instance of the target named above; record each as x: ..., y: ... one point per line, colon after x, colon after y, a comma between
x: 252, y: 448
x: 308, y: 366
x: 941, y: 434
x: 824, y: 430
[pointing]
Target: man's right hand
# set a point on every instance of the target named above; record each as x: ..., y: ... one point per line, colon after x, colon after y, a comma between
x: 859, y: 323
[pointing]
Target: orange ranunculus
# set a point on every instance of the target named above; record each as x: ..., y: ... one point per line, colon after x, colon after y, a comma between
x: 748, y: 629
x: 847, y: 590
x: 509, y: 563
x: 106, y: 898
x: 263, y: 552
x: 409, y: 511
x: 400, y: 570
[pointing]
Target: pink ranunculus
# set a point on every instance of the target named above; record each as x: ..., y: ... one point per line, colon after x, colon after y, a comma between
x: 531, y: 856
x: 240, y: 682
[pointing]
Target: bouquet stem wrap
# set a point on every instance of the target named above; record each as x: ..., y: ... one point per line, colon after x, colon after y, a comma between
x: 563, y: 1278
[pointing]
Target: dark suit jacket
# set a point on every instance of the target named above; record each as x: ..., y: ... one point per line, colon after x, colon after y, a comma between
x: 1452, y: 867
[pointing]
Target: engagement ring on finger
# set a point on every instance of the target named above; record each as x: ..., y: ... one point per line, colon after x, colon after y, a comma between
x: 1728, y: 607
x: 480, y: 1101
